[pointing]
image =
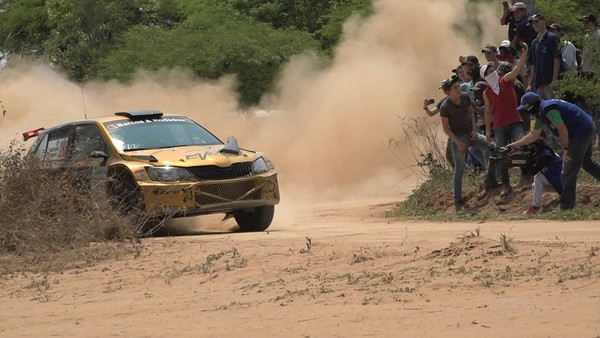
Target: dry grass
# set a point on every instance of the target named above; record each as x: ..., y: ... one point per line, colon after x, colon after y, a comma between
x: 51, y: 223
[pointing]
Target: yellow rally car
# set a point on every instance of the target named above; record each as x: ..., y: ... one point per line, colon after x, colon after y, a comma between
x: 157, y: 166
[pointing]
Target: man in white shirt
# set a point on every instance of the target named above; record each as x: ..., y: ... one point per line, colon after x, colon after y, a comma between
x: 567, y: 48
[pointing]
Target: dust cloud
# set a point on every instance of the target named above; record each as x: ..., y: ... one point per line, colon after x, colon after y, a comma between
x: 329, y: 134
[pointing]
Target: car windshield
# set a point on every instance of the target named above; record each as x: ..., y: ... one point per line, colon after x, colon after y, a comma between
x: 167, y: 132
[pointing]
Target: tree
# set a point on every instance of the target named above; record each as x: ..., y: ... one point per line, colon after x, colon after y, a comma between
x: 211, y: 46
x: 81, y: 31
x: 23, y: 27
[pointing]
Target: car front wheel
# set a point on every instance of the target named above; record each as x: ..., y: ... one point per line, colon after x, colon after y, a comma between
x: 128, y: 200
x: 257, y: 220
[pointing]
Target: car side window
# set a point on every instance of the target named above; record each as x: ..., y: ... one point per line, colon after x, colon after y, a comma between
x: 42, y: 144
x: 87, y: 140
x: 57, y: 149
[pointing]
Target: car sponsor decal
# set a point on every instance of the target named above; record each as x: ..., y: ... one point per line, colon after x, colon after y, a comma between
x: 126, y: 123
x: 201, y: 156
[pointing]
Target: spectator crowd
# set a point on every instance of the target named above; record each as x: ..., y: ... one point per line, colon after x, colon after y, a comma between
x: 512, y: 100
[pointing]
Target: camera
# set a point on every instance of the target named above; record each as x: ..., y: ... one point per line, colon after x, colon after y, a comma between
x: 521, y: 157
x: 429, y: 101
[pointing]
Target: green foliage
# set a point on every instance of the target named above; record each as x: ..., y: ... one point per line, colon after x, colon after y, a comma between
x: 23, y: 26
x: 323, y: 19
x: 82, y: 31
x: 114, y: 39
x: 436, y: 171
x: 587, y: 89
x: 253, y: 52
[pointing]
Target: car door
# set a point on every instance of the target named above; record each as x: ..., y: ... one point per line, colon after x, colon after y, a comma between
x: 89, y: 158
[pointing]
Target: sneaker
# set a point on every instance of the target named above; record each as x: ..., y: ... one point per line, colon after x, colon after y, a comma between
x: 506, y: 190
x: 490, y: 183
x: 531, y: 210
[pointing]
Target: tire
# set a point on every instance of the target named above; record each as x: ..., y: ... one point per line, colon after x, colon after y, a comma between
x: 258, y: 220
x: 127, y: 199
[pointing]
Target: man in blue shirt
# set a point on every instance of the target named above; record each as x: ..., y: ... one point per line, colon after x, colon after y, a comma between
x: 544, y: 59
x: 575, y: 130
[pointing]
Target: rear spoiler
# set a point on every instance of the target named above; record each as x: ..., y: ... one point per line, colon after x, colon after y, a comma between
x: 32, y: 133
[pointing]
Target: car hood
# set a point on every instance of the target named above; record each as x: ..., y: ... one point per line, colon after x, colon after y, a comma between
x: 191, y: 156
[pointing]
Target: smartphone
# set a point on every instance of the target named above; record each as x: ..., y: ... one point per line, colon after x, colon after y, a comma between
x: 505, y: 4
x: 430, y: 101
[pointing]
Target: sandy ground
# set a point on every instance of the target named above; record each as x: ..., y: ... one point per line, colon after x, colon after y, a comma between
x: 337, y: 270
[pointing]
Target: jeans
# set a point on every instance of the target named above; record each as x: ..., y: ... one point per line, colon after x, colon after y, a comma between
x: 480, y: 149
x: 544, y: 92
x: 580, y: 151
x: 540, y: 185
x: 505, y: 135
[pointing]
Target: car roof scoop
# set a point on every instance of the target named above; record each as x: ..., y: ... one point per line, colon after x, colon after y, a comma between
x: 231, y: 147
x: 140, y: 114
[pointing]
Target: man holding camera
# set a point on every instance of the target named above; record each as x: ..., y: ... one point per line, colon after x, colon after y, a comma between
x: 575, y: 130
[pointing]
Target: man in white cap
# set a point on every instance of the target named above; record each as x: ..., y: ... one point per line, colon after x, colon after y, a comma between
x: 575, y: 129
x: 506, y: 53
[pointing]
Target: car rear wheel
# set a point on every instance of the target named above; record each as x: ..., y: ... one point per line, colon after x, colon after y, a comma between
x: 257, y: 220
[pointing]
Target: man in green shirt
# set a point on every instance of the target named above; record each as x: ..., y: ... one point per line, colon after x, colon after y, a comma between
x: 575, y: 130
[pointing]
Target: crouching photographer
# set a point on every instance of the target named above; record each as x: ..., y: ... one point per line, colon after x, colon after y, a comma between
x: 575, y: 130
x: 541, y: 161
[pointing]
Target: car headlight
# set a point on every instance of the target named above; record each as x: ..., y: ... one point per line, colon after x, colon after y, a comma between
x: 168, y: 174
x: 261, y: 165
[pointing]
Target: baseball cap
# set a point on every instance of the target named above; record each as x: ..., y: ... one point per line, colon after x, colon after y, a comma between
x: 528, y: 98
x: 537, y: 16
x: 456, y: 69
x: 505, y: 44
x: 471, y: 60
x: 480, y: 85
x: 589, y: 17
x: 447, y: 83
x: 519, y: 5
x: 490, y: 48
x: 555, y: 26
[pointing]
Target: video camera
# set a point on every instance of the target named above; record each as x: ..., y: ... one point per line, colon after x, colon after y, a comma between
x: 521, y: 157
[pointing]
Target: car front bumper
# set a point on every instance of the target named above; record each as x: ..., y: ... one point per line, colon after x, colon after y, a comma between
x: 206, y: 197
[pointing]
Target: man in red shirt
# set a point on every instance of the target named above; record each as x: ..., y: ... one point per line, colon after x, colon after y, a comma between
x: 501, y: 99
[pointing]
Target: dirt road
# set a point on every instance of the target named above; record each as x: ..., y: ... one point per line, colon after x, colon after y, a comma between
x: 330, y: 270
